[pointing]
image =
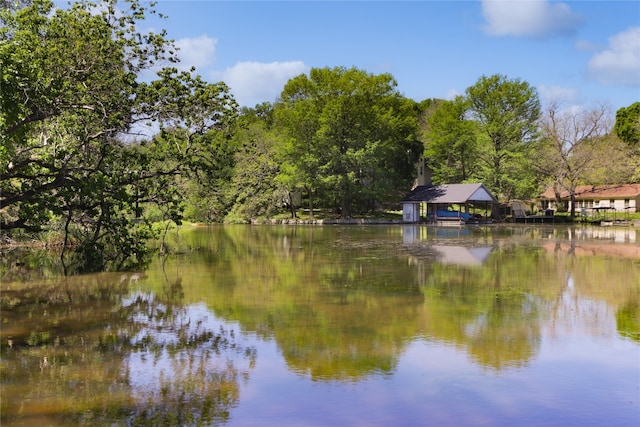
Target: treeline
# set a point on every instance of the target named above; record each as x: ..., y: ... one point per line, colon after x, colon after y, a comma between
x: 73, y: 159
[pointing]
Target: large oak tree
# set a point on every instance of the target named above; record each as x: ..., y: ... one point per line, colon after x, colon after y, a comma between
x: 351, y: 136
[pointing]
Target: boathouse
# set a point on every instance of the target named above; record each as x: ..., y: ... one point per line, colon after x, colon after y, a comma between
x: 435, y: 204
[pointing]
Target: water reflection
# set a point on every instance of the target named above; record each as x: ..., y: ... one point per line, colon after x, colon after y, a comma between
x: 207, y: 338
x: 442, y: 244
x: 77, y: 351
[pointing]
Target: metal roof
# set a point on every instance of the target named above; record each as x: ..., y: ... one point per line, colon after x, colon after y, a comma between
x: 450, y: 193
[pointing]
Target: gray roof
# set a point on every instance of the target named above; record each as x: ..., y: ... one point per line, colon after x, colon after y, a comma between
x: 450, y: 193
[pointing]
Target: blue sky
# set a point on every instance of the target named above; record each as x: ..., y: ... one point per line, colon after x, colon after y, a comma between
x: 576, y: 53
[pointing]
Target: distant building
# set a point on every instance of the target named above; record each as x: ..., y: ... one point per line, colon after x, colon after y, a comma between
x: 590, y: 198
x: 433, y: 203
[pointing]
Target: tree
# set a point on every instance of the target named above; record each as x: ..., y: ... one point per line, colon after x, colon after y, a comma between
x: 612, y: 162
x: 253, y: 183
x: 297, y: 119
x: 506, y: 112
x: 627, y: 125
x: 350, y: 134
x: 568, y: 138
x: 451, y: 143
x: 194, y: 147
x: 69, y: 96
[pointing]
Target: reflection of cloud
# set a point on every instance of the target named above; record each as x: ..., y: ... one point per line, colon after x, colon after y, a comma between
x: 537, y: 19
x: 255, y: 82
x: 181, y: 348
x: 619, y: 63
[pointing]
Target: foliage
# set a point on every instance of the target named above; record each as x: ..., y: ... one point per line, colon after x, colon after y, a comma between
x: 70, y: 95
x: 627, y: 125
x: 351, y: 136
x: 611, y: 162
x: 193, y: 151
x: 452, y: 147
x: 569, y: 145
x: 253, y: 184
x: 506, y: 111
x: 485, y: 136
x: 72, y: 159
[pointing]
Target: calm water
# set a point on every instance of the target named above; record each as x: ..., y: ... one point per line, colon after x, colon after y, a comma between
x: 329, y: 325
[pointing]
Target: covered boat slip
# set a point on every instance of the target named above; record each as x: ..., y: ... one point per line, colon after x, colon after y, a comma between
x: 434, y: 204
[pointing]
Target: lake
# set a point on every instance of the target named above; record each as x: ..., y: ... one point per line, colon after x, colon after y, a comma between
x: 381, y: 325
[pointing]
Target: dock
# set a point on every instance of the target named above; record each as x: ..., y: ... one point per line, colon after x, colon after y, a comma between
x: 536, y: 219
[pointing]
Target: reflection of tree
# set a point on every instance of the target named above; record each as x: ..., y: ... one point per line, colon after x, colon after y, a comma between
x: 341, y: 302
x: 53, y: 366
x: 489, y: 310
x: 27, y: 264
x: 599, y: 274
x: 341, y: 336
x: 628, y: 321
x: 82, y: 353
x: 508, y: 335
x: 190, y: 384
x: 338, y: 314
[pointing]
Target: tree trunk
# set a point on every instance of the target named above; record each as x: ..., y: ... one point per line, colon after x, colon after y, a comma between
x: 346, y: 209
x: 558, y: 196
x: 346, y: 198
x: 573, y: 204
x: 291, y: 207
x: 310, y: 204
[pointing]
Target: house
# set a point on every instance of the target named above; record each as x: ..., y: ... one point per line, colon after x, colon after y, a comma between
x: 594, y: 198
x: 433, y: 203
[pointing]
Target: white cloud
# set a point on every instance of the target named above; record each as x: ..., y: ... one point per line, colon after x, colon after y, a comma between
x: 550, y: 94
x: 451, y: 94
x: 531, y: 18
x: 198, y: 52
x: 255, y: 82
x: 619, y: 63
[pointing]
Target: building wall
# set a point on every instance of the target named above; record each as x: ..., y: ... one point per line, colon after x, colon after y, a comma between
x: 621, y: 205
x: 410, y: 212
x: 423, y: 173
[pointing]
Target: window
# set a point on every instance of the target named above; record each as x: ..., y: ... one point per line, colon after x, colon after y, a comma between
x: 587, y: 204
x: 626, y: 203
